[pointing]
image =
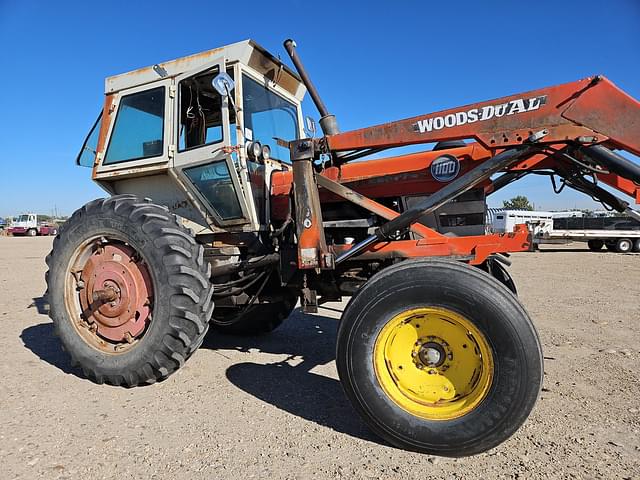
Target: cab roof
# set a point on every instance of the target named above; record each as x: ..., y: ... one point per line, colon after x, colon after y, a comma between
x: 246, y: 52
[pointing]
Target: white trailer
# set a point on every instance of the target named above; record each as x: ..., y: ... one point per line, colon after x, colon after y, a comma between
x: 539, y: 223
x: 618, y: 234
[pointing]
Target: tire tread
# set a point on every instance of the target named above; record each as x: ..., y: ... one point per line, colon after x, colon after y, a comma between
x: 188, y: 287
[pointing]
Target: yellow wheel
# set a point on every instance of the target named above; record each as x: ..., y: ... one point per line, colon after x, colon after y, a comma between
x: 433, y: 362
x: 439, y: 357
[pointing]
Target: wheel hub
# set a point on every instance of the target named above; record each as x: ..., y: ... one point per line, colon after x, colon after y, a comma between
x: 432, y: 354
x: 117, y: 293
x: 433, y: 362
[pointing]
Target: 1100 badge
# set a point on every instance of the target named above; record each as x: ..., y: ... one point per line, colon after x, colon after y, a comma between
x: 520, y: 105
x: 445, y: 168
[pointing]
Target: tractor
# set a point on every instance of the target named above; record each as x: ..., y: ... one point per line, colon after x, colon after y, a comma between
x: 227, y: 207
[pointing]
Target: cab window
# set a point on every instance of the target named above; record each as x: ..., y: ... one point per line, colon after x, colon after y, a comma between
x: 214, y: 183
x: 268, y: 116
x: 200, y: 112
x: 139, y: 127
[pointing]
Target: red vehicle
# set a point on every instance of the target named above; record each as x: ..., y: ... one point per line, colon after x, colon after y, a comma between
x: 28, y: 225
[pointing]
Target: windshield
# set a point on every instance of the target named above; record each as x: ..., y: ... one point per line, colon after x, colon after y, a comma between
x: 87, y: 154
x: 268, y: 116
x: 23, y: 218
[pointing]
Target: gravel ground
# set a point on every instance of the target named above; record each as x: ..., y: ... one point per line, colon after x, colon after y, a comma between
x: 272, y: 407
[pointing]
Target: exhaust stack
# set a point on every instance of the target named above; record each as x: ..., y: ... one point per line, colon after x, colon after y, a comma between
x: 328, y: 122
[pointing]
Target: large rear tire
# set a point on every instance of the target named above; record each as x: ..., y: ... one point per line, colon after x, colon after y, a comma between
x: 258, y: 319
x: 439, y: 357
x: 129, y: 291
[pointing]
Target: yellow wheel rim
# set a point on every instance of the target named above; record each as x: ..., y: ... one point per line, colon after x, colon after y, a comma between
x: 434, y: 363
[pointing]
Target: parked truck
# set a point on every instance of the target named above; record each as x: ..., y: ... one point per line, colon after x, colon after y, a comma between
x: 28, y: 224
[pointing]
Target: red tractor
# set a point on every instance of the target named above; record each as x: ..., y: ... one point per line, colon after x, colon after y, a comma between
x: 223, y: 213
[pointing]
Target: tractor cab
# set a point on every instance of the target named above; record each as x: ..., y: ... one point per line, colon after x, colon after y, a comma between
x: 199, y: 135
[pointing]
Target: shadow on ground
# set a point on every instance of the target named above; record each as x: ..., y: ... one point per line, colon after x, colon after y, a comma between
x: 547, y: 249
x: 308, y: 341
x: 41, y: 304
x: 41, y: 340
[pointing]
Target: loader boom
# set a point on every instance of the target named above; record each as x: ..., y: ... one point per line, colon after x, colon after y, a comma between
x: 592, y: 109
x: 548, y: 130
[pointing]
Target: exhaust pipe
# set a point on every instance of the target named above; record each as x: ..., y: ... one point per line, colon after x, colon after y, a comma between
x: 328, y: 122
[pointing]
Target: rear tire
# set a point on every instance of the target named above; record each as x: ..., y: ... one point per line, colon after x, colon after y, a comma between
x: 258, y: 319
x: 175, y: 319
x: 478, y: 414
x: 636, y: 246
x: 624, y: 245
x: 595, y: 245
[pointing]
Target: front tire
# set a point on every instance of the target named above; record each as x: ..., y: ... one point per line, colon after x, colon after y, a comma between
x: 32, y: 232
x: 439, y: 357
x: 156, y: 280
x: 498, y: 271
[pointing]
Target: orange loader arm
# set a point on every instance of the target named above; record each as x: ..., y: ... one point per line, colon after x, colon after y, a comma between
x: 592, y: 110
x: 568, y: 132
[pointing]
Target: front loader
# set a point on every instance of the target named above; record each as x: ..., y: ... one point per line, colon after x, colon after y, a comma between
x: 224, y: 211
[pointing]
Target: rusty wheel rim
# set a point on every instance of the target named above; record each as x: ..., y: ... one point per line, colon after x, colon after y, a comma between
x: 109, y: 294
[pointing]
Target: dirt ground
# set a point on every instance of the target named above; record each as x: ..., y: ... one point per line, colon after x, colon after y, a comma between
x: 272, y: 407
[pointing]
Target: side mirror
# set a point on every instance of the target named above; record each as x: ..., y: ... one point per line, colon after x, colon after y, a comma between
x: 310, y: 126
x: 223, y: 84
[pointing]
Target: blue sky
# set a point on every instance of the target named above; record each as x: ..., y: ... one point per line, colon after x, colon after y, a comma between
x: 373, y: 62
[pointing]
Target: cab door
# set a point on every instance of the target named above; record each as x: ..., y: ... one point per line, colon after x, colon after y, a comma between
x: 201, y: 161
